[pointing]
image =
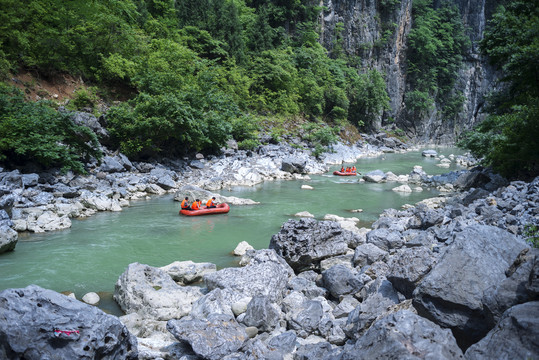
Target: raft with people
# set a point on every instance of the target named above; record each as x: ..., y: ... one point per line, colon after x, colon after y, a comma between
x: 349, y: 171
x: 222, y: 208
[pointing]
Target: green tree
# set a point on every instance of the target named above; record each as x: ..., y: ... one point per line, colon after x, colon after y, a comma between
x: 507, y: 139
x: 35, y: 132
x: 437, y: 43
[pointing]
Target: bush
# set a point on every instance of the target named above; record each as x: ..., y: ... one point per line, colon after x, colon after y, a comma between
x: 248, y: 144
x: 35, y: 132
x: 173, y: 124
x: 84, y: 98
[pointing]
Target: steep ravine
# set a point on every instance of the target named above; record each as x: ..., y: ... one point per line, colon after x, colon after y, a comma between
x: 366, y: 21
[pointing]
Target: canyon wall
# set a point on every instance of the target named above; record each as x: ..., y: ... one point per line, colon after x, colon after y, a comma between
x: 376, y: 32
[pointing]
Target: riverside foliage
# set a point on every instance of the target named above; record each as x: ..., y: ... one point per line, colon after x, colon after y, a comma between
x: 507, y: 139
x: 195, y: 69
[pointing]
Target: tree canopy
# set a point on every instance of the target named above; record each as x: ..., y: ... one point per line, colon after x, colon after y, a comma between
x: 507, y: 139
x: 195, y: 68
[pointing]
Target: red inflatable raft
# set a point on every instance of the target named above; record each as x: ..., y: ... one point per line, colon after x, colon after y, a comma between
x: 220, y: 209
x: 344, y: 173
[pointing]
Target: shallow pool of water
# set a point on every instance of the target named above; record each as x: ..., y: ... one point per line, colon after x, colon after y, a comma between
x: 93, y: 253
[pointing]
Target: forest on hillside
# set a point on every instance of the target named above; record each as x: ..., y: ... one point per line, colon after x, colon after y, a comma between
x: 198, y: 73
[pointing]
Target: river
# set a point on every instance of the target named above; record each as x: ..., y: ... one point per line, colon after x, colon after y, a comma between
x: 94, y: 252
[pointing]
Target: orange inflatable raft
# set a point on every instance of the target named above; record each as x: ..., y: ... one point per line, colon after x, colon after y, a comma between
x: 338, y: 173
x: 220, y: 209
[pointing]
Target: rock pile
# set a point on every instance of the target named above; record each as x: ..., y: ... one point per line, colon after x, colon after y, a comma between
x: 441, y: 282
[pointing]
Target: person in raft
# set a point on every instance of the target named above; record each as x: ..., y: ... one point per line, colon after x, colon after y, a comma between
x: 211, y: 203
x: 185, y: 204
x: 342, y: 168
x: 348, y: 169
x: 354, y: 169
x: 196, y: 205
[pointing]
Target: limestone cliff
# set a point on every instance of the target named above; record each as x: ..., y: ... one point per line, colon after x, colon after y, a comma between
x: 376, y: 31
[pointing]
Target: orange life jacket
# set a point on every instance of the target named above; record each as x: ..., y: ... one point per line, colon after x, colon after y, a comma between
x: 210, y: 203
x: 195, y: 205
x: 184, y: 204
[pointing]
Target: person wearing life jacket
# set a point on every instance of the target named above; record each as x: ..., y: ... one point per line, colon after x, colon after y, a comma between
x: 342, y: 168
x: 348, y: 169
x: 185, y: 204
x: 211, y: 203
x: 196, y: 205
x: 354, y: 169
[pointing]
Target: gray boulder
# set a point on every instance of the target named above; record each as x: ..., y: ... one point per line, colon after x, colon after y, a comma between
x: 375, y: 176
x: 164, y: 178
x: 408, y: 267
x: 516, y: 336
x: 111, y: 164
x: 385, y: 239
x: 293, y: 165
x: 213, y: 338
x: 368, y: 254
x: 307, y: 287
x: 515, y: 288
x: 188, y: 272
x: 37, y: 324
x: 152, y: 293
x: 265, y: 274
x: 429, y: 153
x: 29, y: 180
x: 261, y: 313
x: 451, y: 293
x: 379, y: 299
x: 90, y: 121
x: 340, y: 280
x: 305, y: 318
x: 404, y: 335
x: 8, y: 238
x: 304, y: 243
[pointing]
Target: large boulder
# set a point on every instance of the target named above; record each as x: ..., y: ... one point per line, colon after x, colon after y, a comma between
x: 265, y: 274
x: 304, y: 243
x: 451, y: 293
x: 152, y: 293
x: 293, y: 165
x: 261, y: 313
x: 110, y: 164
x: 340, y: 280
x: 404, y: 335
x: 408, y: 267
x: 37, y: 324
x: 375, y: 176
x: 516, y: 336
x: 385, y: 239
x: 188, y: 272
x: 8, y: 238
x: 213, y: 338
x: 516, y: 288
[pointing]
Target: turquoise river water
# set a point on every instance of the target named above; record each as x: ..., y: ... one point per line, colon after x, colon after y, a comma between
x: 93, y: 253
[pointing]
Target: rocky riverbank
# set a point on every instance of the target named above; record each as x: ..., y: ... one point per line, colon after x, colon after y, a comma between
x: 448, y: 278
x: 444, y: 279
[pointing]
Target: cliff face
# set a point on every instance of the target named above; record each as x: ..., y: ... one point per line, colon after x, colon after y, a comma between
x: 376, y: 31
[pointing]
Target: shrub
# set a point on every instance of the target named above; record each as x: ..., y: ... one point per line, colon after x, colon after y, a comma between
x: 35, y: 132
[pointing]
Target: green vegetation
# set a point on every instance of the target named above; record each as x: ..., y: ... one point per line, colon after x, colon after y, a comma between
x: 35, y: 132
x: 532, y: 235
x: 193, y: 70
x: 507, y: 139
x: 437, y: 43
